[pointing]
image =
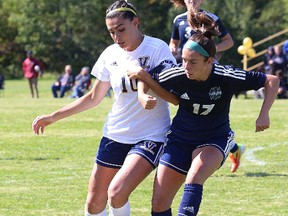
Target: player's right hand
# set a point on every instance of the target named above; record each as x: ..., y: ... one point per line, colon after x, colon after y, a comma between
x: 40, y: 122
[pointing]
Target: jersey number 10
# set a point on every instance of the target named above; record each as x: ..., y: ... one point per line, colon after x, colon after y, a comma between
x: 133, y: 85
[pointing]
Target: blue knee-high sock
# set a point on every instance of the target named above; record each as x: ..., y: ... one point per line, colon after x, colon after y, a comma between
x: 191, y: 200
x: 234, y: 148
x: 165, y: 213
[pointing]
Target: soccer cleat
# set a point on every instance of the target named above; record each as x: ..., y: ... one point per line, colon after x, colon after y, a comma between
x: 235, y: 157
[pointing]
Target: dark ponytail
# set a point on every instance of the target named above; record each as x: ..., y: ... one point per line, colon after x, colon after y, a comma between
x: 178, y: 3
x: 205, y: 29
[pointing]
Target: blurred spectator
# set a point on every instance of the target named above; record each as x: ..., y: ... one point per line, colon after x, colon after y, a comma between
x: 278, y: 62
x: 64, y: 83
x: 283, y: 87
x: 239, y: 93
x: 2, y: 80
x: 109, y: 94
x: 285, y: 49
x: 268, y: 59
x: 83, y: 81
x: 32, y: 67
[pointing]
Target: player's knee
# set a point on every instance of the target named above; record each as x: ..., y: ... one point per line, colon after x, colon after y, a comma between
x: 196, y: 177
x: 94, y: 206
x: 116, y: 197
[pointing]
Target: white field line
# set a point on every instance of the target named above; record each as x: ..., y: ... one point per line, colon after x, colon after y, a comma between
x: 250, y: 156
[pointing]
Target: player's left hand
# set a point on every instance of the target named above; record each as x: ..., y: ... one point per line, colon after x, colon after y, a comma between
x: 40, y: 122
x: 262, y: 123
x: 147, y: 101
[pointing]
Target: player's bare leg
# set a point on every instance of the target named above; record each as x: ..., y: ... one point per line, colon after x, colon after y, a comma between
x: 97, y: 192
x: 131, y: 174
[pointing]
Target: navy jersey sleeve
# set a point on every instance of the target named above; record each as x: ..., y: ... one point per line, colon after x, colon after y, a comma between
x: 175, y: 30
x: 255, y: 80
x: 223, y: 31
x: 239, y: 79
x: 163, y: 66
x: 167, y: 78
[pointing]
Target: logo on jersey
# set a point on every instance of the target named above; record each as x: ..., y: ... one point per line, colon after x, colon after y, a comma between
x: 114, y: 63
x: 149, y: 146
x: 143, y: 61
x: 185, y: 96
x: 182, y: 23
x: 215, y: 93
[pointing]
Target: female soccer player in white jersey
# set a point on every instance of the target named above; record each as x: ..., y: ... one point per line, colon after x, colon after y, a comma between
x: 133, y: 137
x: 200, y: 135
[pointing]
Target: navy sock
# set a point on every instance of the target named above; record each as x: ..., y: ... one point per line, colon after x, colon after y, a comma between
x: 165, y: 213
x: 191, y: 200
x: 234, y: 149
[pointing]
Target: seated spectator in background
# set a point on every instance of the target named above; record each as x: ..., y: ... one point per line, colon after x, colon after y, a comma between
x: 2, y: 79
x: 83, y: 81
x: 64, y: 83
x: 285, y: 49
x: 32, y: 67
x: 278, y: 61
x: 109, y: 94
x: 268, y: 59
x: 283, y: 86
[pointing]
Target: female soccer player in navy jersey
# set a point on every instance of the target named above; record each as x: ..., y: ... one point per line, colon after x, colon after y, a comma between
x: 133, y: 137
x: 200, y: 135
x: 182, y: 31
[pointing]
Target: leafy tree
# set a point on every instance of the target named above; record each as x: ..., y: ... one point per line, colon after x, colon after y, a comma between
x: 9, y: 48
x: 74, y: 32
x: 244, y: 18
x: 60, y: 32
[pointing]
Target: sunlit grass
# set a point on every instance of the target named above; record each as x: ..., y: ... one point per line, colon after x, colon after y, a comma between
x: 48, y: 174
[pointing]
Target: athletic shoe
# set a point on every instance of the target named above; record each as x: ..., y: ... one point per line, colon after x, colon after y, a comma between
x: 235, y: 157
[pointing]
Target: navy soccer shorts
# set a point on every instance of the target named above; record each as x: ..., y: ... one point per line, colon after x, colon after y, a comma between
x: 178, y: 154
x: 112, y: 154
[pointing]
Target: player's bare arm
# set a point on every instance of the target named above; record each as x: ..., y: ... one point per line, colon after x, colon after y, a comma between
x: 141, y: 74
x: 91, y: 99
x: 271, y: 89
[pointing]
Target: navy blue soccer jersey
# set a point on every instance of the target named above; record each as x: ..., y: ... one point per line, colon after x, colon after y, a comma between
x: 182, y: 30
x: 204, y: 106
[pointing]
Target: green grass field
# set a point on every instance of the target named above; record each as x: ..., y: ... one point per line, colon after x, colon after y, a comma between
x: 48, y: 174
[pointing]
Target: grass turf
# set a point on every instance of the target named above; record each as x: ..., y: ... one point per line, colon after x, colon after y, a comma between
x: 48, y: 174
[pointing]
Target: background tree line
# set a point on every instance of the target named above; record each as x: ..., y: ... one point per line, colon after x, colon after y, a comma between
x: 73, y: 32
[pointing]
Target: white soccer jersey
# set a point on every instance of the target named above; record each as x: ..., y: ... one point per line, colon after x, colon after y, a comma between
x: 128, y: 122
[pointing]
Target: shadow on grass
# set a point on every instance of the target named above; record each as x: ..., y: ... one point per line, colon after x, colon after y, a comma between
x: 263, y: 174
x: 257, y: 174
x: 31, y: 159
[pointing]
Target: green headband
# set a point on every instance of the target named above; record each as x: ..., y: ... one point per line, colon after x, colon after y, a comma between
x: 121, y: 9
x: 192, y: 45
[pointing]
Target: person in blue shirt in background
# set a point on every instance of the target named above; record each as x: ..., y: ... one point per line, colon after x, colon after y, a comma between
x: 285, y: 49
x: 64, y: 83
x: 83, y: 82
